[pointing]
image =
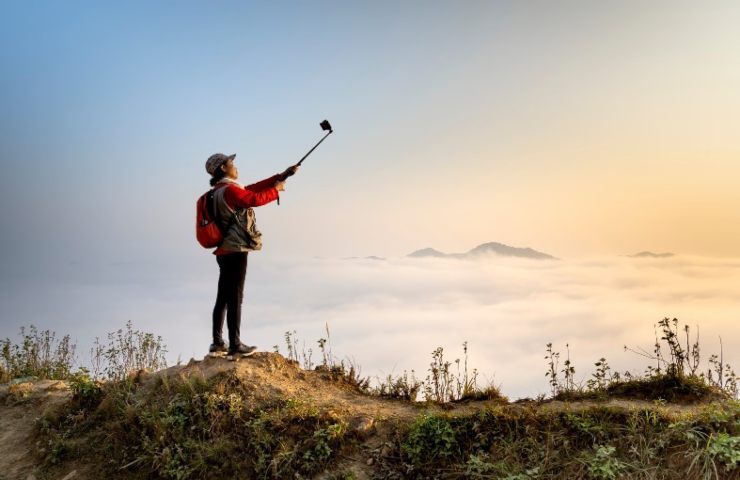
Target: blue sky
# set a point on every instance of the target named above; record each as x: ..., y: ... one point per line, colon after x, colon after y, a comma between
x: 456, y: 124
x: 116, y: 107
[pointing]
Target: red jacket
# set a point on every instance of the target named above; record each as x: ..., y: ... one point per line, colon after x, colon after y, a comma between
x: 254, y: 195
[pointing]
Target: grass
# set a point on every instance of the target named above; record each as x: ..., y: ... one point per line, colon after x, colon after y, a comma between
x: 191, y: 428
x: 597, y: 442
x: 130, y: 424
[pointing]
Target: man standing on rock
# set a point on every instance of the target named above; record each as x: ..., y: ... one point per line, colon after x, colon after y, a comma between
x: 232, y: 203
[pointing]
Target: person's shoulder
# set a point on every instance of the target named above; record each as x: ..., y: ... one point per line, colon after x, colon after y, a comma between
x: 228, y: 186
x: 235, y: 190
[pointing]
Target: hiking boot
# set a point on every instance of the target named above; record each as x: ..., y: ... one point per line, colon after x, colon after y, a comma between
x: 243, y: 350
x: 217, y: 348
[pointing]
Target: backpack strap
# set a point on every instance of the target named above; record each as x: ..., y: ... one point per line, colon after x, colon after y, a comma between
x: 210, y: 198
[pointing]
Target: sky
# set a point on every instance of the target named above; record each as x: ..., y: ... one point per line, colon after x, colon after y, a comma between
x: 585, y: 130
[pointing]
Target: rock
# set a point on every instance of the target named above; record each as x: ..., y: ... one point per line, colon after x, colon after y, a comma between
x: 58, y: 385
x: 70, y: 475
x: 369, y: 461
x: 363, y: 425
x: 385, y: 451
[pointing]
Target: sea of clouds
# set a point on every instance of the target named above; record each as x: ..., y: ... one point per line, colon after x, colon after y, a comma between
x: 388, y: 315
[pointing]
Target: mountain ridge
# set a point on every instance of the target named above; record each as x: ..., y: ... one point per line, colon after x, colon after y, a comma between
x: 485, y: 249
x: 648, y: 254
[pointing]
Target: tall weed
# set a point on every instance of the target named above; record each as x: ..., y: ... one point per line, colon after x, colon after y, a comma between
x: 127, y: 350
x: 39, y: 354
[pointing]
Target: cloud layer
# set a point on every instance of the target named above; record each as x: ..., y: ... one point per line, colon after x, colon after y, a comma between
x: 389, y: 315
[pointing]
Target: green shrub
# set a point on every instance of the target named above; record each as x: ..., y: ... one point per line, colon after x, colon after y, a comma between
x: 726, y: 449
x: 86, y: 391
x: 431, y: 438
x: 602, y: 463
x: 598, y: 442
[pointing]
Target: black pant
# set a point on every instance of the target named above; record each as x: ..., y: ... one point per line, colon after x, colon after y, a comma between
x: 233, y: 269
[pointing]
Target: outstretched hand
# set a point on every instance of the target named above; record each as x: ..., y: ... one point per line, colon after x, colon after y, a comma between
x: 280, y: 185
x: 290, y: 171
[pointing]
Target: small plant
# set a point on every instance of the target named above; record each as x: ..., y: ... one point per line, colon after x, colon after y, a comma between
x: 85, y: 390
x: 430, y: 439
x: 479, y: 466
x: 438, y: 386
x: 348, y: 370
x: 712, y: 452
x: 466, y: 385
x: 568, y: 371
x: 601, y: 378
x: 683, y: 362
x: 603, y: 463
x: 726, y: 449
x: 292, y: 343
x: 324, y: 442
x: 351, y: 373
x: 720, y: 374
x: 568, y: 384
x: 39, y: 354
x: 444, y: 385
x: 680, y: 359
x: 327, y: 357
x: 552, y: 370
x: 528, y: 474
x: 127, y: 351
x: 307, y: 362
x: 404, y: 387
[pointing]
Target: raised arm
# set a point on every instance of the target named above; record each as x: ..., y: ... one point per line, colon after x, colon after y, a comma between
x: 266, y: 183
x: 270, y: 182
x: 247, y: 197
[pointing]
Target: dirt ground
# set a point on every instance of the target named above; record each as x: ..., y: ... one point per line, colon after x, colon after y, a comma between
x: 22, y: 402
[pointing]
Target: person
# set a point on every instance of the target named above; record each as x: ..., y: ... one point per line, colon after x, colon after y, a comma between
x: 233, y: 206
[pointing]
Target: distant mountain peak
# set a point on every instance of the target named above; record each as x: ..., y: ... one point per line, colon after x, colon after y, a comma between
x: 369, y: 257
x: 647, y: 254
x: 426, y: 252
x: 506, y: 250
x: 485, y: 249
